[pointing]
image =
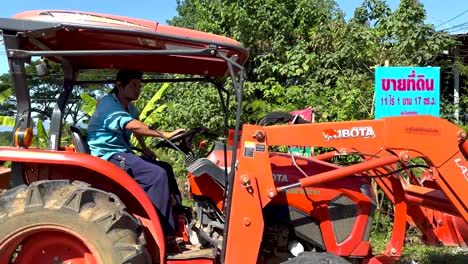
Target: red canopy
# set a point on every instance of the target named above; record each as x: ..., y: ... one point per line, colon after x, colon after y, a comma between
x: 72, y: 31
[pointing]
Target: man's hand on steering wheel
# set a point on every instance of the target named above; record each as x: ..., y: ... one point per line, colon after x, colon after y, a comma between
x: 182, y: 138
x: 174, y: 133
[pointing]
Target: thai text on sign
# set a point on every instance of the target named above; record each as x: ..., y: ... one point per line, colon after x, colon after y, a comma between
x: 401, y: 91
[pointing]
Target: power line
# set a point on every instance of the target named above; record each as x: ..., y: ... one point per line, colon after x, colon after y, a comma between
x: 459, y: 30
x: 456, y: 26
x: 452, y: 18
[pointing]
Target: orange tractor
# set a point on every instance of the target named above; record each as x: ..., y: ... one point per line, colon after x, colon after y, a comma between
x: 252, y: 205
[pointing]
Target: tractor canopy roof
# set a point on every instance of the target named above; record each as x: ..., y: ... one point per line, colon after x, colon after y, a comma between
x: 93, y: 41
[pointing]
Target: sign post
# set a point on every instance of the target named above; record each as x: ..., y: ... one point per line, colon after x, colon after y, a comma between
x: 308, y: 115
x: 402, y: 91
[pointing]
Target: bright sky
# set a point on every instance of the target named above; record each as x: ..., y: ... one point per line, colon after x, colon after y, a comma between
x: 438, y: 12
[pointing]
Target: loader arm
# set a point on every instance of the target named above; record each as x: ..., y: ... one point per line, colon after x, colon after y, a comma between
x: 393, y: 139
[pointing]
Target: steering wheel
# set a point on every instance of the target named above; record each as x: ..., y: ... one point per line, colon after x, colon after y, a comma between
x: 182, y: 140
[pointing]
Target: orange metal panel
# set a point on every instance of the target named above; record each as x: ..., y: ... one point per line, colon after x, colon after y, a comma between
x: 253, y: 189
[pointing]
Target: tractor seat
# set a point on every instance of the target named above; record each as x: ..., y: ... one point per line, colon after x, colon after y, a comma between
x: 79, y: 140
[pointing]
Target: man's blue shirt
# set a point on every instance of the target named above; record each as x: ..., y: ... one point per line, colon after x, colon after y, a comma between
x: 106, y: 130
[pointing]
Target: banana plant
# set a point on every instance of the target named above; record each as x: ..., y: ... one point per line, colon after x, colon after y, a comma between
x: 42, y: 135
x: 7, y: 121
x: 5, y: 94
x: 150, y: 115
x: 89, y: 104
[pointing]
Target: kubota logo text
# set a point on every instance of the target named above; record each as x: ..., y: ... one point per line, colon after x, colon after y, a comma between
x: 354, y: 132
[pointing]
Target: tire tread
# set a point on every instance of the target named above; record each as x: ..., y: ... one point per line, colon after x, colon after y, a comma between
x: 92, y: 206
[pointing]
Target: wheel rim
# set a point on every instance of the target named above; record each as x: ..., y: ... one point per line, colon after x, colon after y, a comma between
x: 49, y: 244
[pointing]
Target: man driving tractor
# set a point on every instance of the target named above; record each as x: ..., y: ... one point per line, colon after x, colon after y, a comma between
x: 109, y: 131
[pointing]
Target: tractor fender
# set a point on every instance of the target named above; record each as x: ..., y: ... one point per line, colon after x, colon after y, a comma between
x: 100, y: 166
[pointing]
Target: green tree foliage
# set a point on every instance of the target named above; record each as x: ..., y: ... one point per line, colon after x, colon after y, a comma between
x: 5, y: 138
x: 193, y: 105
x: 304, y: 53
x: 6, y: 96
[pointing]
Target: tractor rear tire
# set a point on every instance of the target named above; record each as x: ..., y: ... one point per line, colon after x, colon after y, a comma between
x: 315, y: 257
x: 58, y: 220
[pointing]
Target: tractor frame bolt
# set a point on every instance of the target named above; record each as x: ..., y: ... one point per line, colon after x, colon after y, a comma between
x: 393, y: 251
x: 404, y: 156
x: 461, y: 135
x: 259, y: 135
x: 245, y: 180
x: 247, y: 221
x: 271, y: 193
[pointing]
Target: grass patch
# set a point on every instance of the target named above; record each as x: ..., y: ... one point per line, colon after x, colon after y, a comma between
x: 421, y: 254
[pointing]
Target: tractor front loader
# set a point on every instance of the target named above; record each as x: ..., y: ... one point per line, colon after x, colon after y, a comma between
x: 328, y: 207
